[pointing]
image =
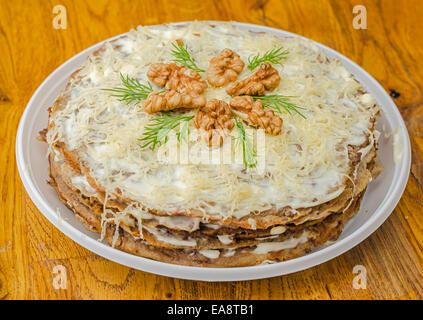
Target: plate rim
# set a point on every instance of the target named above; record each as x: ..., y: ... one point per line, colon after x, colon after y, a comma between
x: 381, y: 213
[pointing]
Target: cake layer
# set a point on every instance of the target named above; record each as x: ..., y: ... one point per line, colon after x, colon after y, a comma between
x: 163, y: 237
x: 291, y: 245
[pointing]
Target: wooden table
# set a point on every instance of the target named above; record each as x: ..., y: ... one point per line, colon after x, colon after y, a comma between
x: 391, y: 49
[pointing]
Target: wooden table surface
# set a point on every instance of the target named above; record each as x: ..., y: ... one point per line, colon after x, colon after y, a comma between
x: 390, y: 49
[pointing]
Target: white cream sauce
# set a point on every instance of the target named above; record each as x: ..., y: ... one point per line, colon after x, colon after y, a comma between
x: 171, y: 239
x: 81, y: 183
x: 211, y: 254
x: 225, y: 239
x: 267, y: 247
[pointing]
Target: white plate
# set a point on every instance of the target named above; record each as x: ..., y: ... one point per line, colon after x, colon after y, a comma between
x: 380, y: 199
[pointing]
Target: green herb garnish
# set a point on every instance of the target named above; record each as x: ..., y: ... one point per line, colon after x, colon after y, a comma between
x: 278, y: 102
x: 275, y: 56
x: 183, y: 57
x: 249, y: 154
x: 132, y: 90
x: 183, y: 134
x: 156, y: 132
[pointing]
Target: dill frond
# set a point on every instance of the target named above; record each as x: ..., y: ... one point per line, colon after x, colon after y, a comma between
x: 249, y: 154
x: 183, y: 57
x: 156, y: 132
x: 132, y: 90
x: 275, y: 56
x: 278, y: 102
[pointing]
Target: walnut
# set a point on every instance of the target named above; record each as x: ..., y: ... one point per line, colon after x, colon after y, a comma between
x: 257, y: 115
x: 170, y: 100
x: 265, y: 78
x: 214, y: 122
x: 178, y: 78
x: 224, y: 68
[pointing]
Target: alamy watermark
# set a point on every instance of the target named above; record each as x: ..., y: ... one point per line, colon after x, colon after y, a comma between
x: 360, y: 280
x: 60, y: 20
x: 360, y: 20
x: 60, y: 279
x: 232, y: 151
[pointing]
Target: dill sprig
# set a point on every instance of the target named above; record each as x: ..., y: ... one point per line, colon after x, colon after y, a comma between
x: 132, y: 90
x: 183, y: 57
x: 156, y: 132
x: 275, y: 56
x: 249, y: 154
x: 278, y: 102
x: 182, y: 135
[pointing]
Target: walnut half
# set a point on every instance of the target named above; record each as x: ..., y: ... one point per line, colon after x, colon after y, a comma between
x: 224, y: 68
x: 265, y: 78
x: 214, y: 122
x: 171, y: 100
x: 257, y: 115
x: 178, y: 78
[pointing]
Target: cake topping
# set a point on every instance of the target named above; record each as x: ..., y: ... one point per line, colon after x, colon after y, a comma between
x: 157, y: 130
x: 256, y: 115
x: 214, y: 121
x: 249, y: 152
x: 131, y: 90
x: 265, y: 78
x: 224, y: 68
x: 171, y: 100
x: 279, y: 102
x: 183, y: 57
x: 178, y: 78
x: 275, y: 56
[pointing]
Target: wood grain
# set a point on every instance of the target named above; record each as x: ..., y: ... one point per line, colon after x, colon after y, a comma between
x: 391, y: 49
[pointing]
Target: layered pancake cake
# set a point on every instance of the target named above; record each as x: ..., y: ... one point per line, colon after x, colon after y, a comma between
x: 210, y: 145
